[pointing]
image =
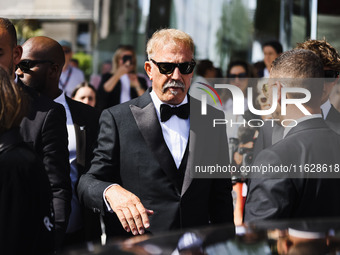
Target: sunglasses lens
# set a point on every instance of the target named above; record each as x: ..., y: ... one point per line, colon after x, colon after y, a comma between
x: 166, y: 68
x: 186, y: 68
x: 240, y: 75
x: 24, y: 66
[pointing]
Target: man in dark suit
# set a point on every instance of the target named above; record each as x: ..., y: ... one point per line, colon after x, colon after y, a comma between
x: 311, y: 142
x: 44, y: 128
x: 140, y: 169
x: 331, y: 64
x: 82, y: 127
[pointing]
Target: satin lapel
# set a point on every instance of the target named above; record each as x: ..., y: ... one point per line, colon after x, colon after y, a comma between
x: 187, y: 177
x: 148, y: 124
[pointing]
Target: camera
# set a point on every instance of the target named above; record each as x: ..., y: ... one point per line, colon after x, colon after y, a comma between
x: 247, y: 155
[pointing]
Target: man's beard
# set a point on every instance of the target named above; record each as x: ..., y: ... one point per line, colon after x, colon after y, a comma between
x: 173, y: 84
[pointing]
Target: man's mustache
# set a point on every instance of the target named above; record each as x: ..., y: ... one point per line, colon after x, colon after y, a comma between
x: 173, y: 84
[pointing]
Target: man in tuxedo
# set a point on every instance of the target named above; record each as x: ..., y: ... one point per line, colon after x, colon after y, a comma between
x: 140, y: 168
x: 82, y: 127
x: 44, y: 128
x: 310, y: 142
x: 331, y: 64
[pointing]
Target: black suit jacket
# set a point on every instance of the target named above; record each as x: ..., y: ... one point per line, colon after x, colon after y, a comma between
x: 132, y: 152
x: 44, y: 127
x: 271, y: 133
x: 310, y: 142
x: 108, y: 99
x: 86, y: 124
x: 25, y: 199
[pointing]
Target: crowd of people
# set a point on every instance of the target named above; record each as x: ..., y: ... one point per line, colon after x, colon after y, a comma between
x: 122, y: 156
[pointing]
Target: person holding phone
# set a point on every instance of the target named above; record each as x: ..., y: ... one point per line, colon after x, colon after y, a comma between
x: 123, y: 83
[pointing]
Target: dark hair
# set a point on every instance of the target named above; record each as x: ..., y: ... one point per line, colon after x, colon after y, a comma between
x: 298, y: 63
x: 242, y: 63
x: 276, y: 45
x: 9, y: 27
x: 203, y: 66
x: 303, y: 64
x: 82, y: 85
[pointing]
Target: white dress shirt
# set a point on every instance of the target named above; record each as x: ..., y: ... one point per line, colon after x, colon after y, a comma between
x: 70, y: 78
x: 125, y: 88
x: 175, y: 130
x: 75, y: 221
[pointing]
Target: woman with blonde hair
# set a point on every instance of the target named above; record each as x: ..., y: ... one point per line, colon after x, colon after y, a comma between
x: 123, y: 83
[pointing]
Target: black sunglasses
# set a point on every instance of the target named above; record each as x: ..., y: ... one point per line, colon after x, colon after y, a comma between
x: 168, y: 68
x: 240, y: 75
x: 331, y: 74
x: 26, y: 65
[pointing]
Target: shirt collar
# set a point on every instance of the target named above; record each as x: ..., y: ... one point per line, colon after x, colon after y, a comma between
x: 157, y: 102
x: 325, y: 107
x: 307, y: 117
x: 61, y: 99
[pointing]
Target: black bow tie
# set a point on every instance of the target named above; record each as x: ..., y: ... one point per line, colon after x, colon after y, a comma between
x: 167, y: 111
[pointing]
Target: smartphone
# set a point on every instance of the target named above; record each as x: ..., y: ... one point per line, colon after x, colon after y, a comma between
x: 127, y: 58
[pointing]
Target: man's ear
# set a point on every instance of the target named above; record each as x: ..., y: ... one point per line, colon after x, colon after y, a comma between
x: 147, y: 67
x: 53, y: 71
x: 17, y: 53
x: 279, y: 87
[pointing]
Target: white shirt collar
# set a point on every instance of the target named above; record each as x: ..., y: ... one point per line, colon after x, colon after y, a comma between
x: 157, y: 102
x: 325, y: 107
x: 61, y: 99
x: 307, y: 117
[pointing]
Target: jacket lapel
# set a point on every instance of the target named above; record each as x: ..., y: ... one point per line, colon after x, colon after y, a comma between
x: 187, y: 177
x: 146, y: 119
x: 80, y: 131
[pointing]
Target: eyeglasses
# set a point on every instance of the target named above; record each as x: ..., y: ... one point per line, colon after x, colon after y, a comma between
x: 240, y: 75
x: 331, y: 74
x: 168, y: 68
x: 26, y: 65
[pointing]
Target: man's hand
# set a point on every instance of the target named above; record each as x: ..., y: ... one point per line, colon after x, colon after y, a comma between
x: 129, y: 209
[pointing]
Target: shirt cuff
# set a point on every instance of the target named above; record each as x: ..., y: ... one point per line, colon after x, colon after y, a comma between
x: 108, y: 207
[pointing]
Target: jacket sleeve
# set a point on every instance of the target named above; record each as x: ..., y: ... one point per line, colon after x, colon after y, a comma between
x: 56, y: 161
x: 104, y: 169
x: 269, y: 198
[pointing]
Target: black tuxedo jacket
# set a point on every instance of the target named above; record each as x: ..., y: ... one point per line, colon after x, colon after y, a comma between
x: 86, y: 124
x: 108, y: 99
x: 310, y: 142
x: 44, y: 127
x: 132, y: 152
